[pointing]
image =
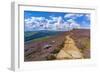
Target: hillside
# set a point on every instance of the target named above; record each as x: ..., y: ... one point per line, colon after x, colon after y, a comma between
x: 47, y: 48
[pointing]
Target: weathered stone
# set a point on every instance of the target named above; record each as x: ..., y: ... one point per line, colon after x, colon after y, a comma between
x: 69, y: 50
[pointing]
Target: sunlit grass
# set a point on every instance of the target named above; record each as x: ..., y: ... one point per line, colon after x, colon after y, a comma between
x: 39, y: 39
x: 29, y: 33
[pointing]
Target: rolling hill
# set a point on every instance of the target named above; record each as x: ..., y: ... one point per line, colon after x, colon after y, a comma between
x: 47, y: 46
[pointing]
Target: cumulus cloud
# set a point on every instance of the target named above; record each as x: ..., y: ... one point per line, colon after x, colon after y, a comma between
x: 73, y: 15
x: 69, y: 15
x: 57, y: 23
x: 42, y: 23
x: 80, y: 20
x: 73, y: 24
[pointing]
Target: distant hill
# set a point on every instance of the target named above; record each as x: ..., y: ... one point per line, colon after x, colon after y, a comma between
x: 30, y: 35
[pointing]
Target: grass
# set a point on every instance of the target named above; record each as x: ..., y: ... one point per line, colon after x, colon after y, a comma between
x: 39, y: 39
x: 29, y: 33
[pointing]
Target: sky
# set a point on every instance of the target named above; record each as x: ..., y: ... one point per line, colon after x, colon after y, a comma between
x: 57, y: 21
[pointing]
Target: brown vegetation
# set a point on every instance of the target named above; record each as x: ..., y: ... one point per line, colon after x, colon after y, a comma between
x: 35, y: 51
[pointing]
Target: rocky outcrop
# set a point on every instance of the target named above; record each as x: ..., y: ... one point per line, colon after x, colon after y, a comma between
x: 70, y: 50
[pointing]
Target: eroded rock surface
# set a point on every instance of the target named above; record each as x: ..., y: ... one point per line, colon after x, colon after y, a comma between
x: 70, y: 50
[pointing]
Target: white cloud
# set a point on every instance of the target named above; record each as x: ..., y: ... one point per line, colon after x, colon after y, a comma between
x: 79, y: 15
x: 69, y: 15
x: 87, y: 16
x: 34, y: 22
x: 74, y: 25
x: 54, y: 18
x: 55, y: 23
x: 70, y: 21
x: 73, y: 16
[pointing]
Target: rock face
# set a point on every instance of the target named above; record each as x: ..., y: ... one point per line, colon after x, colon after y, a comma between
x: 70, y: 50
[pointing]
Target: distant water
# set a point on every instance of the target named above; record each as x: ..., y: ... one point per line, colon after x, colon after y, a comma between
x: 39, y: 34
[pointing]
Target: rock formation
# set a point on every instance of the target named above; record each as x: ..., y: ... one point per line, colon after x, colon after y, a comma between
x: 70, y: 50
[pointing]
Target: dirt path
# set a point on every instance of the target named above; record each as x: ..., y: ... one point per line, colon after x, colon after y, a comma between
x: 70, y: 50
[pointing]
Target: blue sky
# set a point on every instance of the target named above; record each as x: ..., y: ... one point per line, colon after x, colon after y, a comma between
x: 58, y: 21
